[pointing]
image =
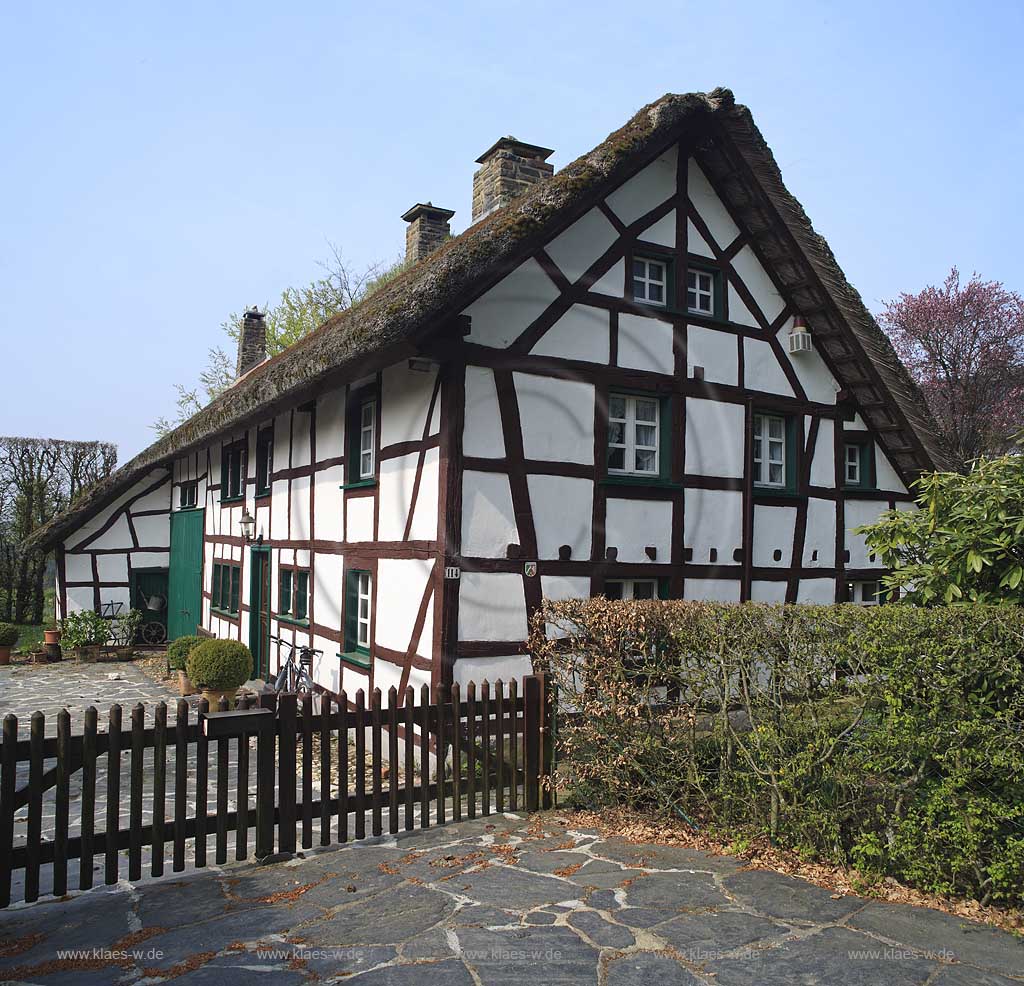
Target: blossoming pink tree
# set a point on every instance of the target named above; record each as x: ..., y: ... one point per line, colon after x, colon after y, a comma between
x: 964, y: 346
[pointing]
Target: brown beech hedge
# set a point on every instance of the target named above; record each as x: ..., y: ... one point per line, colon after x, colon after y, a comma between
x: 887, y: 738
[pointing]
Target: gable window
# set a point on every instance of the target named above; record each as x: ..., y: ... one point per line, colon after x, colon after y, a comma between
x: 232, y: 471
x: 188, y: 494
x: 264, y: 460
x: 367, y: 428
x: 293, y: 602
x: 224, y: 594
x: 770, y: 450
x: 702, y: 291
x: 631, y: 589
x: 651, y: 280
x: 358, y: 611
x: 634, y: 435
x: 858, y: 464
x: 870, y: 593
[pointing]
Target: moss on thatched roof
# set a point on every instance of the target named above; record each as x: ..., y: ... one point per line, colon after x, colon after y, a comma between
x: 394, y: 321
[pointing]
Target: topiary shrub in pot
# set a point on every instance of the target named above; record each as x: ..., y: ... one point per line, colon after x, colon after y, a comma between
x: 177, y: 657
x: 218, y: 667
x: 8, y: 638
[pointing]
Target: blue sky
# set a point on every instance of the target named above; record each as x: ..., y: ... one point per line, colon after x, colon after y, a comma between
x: 164, y: 164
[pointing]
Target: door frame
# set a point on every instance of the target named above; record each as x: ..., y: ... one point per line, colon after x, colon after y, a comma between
x: 255, y: 605
x: 177, y: 517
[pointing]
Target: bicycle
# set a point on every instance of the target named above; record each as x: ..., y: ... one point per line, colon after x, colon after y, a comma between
x: 295, y: 676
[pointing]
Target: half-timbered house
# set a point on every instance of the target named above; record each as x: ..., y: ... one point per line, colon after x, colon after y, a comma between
x: 644, y: 376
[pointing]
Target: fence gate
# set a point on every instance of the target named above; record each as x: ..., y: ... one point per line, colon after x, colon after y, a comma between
x: 282, y: 772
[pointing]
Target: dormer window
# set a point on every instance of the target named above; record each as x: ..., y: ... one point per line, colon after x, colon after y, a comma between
x: 650, y: 281
x: 700, y: 291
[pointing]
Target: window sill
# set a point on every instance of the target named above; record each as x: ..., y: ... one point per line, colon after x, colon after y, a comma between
x: 655, y: 481
x: 359, y: 485
x: 262, y: 494
x: 223, y: 613
x: 232, y: 499
x: 783, y: 496
x: 358, y: 658
x: 292, y: 621
x: 860, y: 489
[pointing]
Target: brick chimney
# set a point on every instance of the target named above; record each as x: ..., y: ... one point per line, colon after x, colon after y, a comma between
x: 429, y: 226
x: 506, y: 170
x: 252, y: 341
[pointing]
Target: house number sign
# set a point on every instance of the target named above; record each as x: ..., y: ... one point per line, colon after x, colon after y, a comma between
x: 451, y: 571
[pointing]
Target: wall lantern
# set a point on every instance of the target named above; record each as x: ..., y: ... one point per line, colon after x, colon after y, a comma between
x: 248, y: 524
x: 799, y: 337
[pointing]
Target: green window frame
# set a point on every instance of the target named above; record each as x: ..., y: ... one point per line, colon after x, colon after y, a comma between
x: 301, y: 594
x: 704, y: 290
x: 284, y: 607
x: 627, y: 589
x: 224, y: 588
x: 361, y: 440
x: 774, y: 434
x: 293, y: 601
x: 866, y: 592
x: 633, y: 453
x: 188, y: 494
x: 358, y: 615
x: 232, y: 471
x: 264, y: 460
x: 858, y: 462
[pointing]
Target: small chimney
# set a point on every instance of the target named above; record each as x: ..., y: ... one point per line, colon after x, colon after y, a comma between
x: 506, y: 170
x: 428, y: 228
x: 252, y: 341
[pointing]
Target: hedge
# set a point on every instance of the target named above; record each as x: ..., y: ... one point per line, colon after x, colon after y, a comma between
x: 887, y: 738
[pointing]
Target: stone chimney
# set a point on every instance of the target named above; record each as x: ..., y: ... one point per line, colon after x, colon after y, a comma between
x: 506, y: 170
x: 429, y: 226
x: 252, y: 341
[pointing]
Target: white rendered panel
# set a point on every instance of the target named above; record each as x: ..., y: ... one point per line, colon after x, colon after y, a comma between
x: 488, y: 519
x: 582, y: 333
x: 492, y: 606
x: 709, y: 206
x: 756, y: 280
x: 329, y: 503
x: 820, y: 537
x: 424, y: 518
x: 557, y: 418
x: 714, y: 438
x: 773, y: 531
x: 301, y: 529
x: 713, y: 520
x: 768, y: 592
x: 712, y: 590
x: 562, y: 509
x: 631, y: 525
x: 885, y: 476
x: 481, y: 431
x: 504, y: 312
x: 112, y: 568
x: 153, y: 530
x: 818, y: 591
x: 715, y: 351
x: 613, y: 282
x: 645, y: 344
x: 359, y: 518
x: 761, y: 369
x: 581, y: 244
x: 401, y: 583
x: 857, y: 513
x: 823, y: 465
x: 405, y: 401
x: 480, y: 669
x: 695, y: 243
x: 647, y: 189
x: 78, y: 567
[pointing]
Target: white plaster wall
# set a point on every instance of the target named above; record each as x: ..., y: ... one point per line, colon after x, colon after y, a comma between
x: 78, y: 568
x: 300, y: 526
x: 400, y: 587
x: 279, y: 507
x: 396, y: 481
x: 767, y: 592
x: 481, y: 669
x: 565, y: 587
x: 886, y: 476
x: 301, y: 442
x: 858, y: 512
x: 761, y: 369
x: 359, y: 518
x: 645, y: 344
x: 713, y: 519
x: 80, y: 599
x: 716, y: 351
x: 154, y: 530
x: 330, y: 424
x: 492, y: 606
x: 329, y: 503
x: 756, y: 280
x: 663, y: 232
x: 821, y: 534
x: 488, y: 519
x: 714, y: 438
x: 709, y: 206
x: 712, y: 590
x: 405, y: 401
x: 501, y: 315
x: 562, y: 510
x: 632, y: 525
x: 481, y: 430
x: 612, y: 282
x: 112, y: 568
x: 773, y: 529
x: 582, y: 333
x: 94, y: 524
x: 149, y: 559
x: 819, y: 591
x: 557, y: 418
x: 647, y: 189
x: 823, y: 464
x: 695, y: 243
x: 738, y: 310
x: 424, y: 518
x: 581, y: 244
x: 811, y: 371
x: 118, y: 536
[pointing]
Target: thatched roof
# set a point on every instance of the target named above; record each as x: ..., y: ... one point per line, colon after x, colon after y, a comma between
x: 422, y: 301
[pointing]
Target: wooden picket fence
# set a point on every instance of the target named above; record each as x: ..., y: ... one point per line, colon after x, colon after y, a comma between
x: 495, y: 747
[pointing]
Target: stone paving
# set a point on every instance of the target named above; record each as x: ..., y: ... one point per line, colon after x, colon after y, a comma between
x: 502, y: 900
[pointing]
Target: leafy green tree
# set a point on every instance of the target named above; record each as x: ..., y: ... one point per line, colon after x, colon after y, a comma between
x: 296, y: 314
x: 965, y: 543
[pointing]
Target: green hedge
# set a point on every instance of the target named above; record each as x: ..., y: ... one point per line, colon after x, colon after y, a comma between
x: 9, y: 634
x: 179, y: 649
x: 220, y: 664
x: 889, y: 738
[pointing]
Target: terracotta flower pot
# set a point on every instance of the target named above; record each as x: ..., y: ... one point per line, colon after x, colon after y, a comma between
x: 185, y: 686
x: 5, y: 656
x: 214, y: 695
x: 52, y: 636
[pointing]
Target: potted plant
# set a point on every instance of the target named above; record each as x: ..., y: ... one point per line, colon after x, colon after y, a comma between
x: 218, y: 667
x: 86, y: 632
x: 8, y: 638
x: 51, y: 635
x: 177, y: 656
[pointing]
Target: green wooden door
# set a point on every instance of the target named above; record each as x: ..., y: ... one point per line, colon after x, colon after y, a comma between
x: 259, y: 612
x: 185, y: 582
